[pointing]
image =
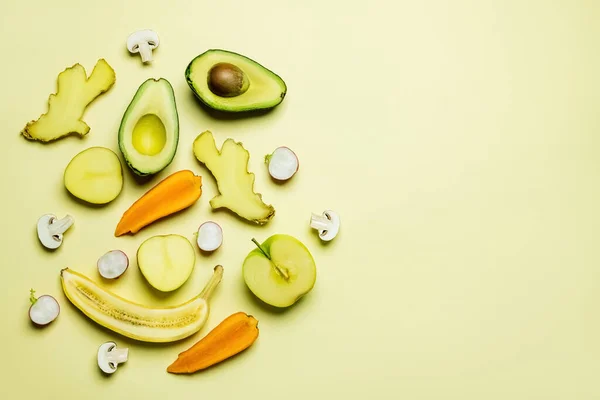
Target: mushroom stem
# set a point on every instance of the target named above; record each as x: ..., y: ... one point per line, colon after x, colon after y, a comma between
x: 58, y: 227
x: 117, y: 356
x: 320, y: 222
x: 145, y: 52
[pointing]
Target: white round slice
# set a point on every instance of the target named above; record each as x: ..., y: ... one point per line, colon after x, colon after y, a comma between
x: 166, y: 261
x: 210, y: 236
x: 113, y: 264
x: 44, y: 310
x: 283, y: 164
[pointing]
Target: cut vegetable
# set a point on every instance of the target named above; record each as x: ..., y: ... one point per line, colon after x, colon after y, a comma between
x: 136, y: 321
x: 210, y: 236
x: 166, y: 261
x: 232, y: 336
x: 109, y: 357
x: 327, y: 224
x: 94, y: 176
x: 174, y: 193
x: 235, y: 183
x: 43, y: 309
x: 282, y: 163
x: 75, y: 91
x: 113, y: 264
x: 50, y: 230
x: 143, y: 42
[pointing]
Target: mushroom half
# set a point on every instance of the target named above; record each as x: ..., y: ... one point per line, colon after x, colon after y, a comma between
x: 328, y: 224
x: 143, y: 42
x: 109, y: 357
x: 50, y: 230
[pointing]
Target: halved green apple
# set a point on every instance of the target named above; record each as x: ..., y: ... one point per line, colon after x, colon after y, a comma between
x: 166, y: 261
x: 280, y: 271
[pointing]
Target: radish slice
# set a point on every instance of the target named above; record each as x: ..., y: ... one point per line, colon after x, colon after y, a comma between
x: 210, y: 236
x: 113, y: 264
x: 283, y: 163
x: 43, y: 310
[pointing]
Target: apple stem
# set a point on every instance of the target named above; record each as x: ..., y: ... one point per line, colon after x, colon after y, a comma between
x: 261, y: 249
x: 32, y: 297
x: 212, y: 283
x: 280, y: 271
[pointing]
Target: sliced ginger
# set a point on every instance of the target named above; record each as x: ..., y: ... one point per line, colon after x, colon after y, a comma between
x: 235, y: 183
x: 66, y: 107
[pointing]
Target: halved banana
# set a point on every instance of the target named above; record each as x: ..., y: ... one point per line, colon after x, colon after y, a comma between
x: 134, y: 320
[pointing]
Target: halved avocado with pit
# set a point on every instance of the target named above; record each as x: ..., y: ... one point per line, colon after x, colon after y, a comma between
x: 149, y: 131
x: 231, y: 82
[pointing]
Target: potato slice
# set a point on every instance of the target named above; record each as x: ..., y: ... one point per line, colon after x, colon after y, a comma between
x: 95, y: 176
x: 166, y: 261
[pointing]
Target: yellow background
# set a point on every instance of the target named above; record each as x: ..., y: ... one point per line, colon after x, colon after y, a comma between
x: 458, y: 140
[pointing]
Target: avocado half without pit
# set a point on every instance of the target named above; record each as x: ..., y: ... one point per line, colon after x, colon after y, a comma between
x: 149, y: 130
x: 228, y: 81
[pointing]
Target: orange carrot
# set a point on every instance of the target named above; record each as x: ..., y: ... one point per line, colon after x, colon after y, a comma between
x: 233, y: 335
x: 174, y: 193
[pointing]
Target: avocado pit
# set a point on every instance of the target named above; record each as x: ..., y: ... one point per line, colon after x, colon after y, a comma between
x: 227, y: 80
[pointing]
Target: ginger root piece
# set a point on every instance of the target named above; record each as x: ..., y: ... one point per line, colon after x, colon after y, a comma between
x: 234, y: 181
x: 66, y: 107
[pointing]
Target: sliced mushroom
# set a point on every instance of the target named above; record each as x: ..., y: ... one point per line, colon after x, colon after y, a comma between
x: 50, y: 230
x: 143, y: 42
x: 328, y: 224
x: 109, y: 357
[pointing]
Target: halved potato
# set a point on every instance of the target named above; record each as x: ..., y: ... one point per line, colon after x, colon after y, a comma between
x: 95, y: 175
x: 166, y: 261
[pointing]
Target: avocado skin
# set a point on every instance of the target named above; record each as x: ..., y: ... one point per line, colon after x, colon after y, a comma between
x: 131, y: 105
x: 225, y: 109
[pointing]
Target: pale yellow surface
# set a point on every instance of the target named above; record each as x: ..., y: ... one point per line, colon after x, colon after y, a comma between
x: 458, y: 140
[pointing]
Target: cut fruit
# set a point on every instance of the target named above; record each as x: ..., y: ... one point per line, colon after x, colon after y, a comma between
x: 149, y: 130
x: 94, y: 175
x: 235, y: 183
x: 176, y: 192
x: 210, y: 236
x: 136, y: 321
x: 280, y: 271
x: 113, y: 264
x: 75, y: 91
x: 166, y: 261
x: 282, y: 163
x: 43, y: 309
x: 227, y: 81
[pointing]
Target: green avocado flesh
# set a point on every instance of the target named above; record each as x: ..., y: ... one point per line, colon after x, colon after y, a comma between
x: 263, y: 89
x: 149, y: 131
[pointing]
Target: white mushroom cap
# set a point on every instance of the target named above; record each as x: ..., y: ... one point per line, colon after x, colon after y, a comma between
x: 109, y: 357
x: 143, y: 42
x: 50, y: 230
x: 328, y: 224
